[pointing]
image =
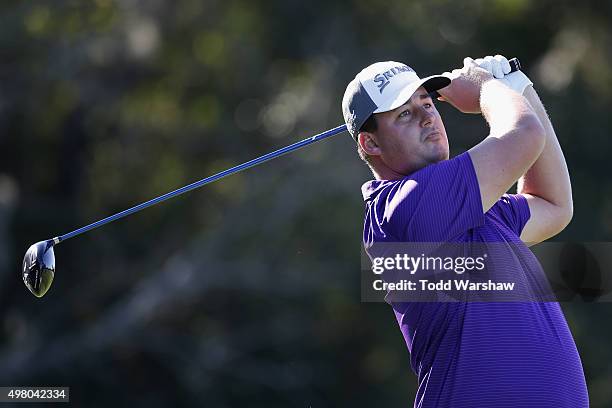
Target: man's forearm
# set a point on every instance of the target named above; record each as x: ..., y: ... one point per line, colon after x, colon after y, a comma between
x: 515, y: 141
x: 504, y: 109
x: 548, y: 178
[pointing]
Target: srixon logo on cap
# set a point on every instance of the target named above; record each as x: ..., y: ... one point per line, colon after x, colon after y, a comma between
x: 383, y: 79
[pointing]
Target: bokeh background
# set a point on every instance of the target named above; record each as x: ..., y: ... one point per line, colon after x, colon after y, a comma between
x: 246, y: 292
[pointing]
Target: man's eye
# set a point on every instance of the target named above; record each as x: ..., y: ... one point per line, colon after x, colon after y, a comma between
x: 428, y: 105
x: 404, y: 113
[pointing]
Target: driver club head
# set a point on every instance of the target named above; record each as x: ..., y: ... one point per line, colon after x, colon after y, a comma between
x: 39, y: 267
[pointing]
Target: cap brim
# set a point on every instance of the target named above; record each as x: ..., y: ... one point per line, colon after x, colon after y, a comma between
x: 431, y: 83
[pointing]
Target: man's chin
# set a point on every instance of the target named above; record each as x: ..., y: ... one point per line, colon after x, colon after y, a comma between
x: 440, y: 156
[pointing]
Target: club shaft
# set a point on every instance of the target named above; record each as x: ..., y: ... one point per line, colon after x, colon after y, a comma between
x: 200, y: 183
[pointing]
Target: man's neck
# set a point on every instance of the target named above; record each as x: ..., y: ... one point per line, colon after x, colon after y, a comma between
x: 387, y: 175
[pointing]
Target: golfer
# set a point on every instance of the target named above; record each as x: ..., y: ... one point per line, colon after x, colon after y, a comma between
x: 469, y: 354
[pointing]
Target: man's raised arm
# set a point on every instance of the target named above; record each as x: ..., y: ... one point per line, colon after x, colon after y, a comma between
x: 546, y: 184
x: 516, y: 138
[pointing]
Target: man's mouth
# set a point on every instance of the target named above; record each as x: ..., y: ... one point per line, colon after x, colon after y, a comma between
x: 433, y: 136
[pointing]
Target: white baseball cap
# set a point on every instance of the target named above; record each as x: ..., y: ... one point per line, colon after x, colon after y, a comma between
x: 382, y: 87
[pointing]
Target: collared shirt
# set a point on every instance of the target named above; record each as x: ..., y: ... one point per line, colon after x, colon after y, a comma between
x: 474, y: 354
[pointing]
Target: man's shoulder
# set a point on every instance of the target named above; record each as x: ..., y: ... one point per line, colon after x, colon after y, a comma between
x: 440, y: 173
x: 436, y: 202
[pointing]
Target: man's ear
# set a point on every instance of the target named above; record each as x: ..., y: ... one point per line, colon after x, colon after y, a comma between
x: 368, y: 143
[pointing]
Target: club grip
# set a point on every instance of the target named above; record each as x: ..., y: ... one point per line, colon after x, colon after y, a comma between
x: 515, y: 65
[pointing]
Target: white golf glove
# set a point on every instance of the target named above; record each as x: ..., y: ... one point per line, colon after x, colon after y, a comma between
x: 499, y: 67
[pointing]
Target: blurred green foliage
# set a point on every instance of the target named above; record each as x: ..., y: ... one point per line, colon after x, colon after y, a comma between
x: 246, y: 293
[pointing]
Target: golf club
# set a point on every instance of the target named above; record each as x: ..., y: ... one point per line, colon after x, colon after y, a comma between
x: 38, y: 269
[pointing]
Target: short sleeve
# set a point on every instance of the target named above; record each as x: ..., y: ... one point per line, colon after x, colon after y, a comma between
x: 512, y: 210
x: 438, y: 202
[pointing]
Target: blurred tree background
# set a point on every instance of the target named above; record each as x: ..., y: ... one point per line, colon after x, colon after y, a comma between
x: 246, y: 293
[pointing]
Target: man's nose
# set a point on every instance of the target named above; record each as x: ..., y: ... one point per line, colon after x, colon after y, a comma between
x: 427, y: 117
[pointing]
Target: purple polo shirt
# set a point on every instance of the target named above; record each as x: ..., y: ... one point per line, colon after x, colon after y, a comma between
x: 505, y: 354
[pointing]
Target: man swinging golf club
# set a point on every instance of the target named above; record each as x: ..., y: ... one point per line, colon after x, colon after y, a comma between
x: 469, y: 354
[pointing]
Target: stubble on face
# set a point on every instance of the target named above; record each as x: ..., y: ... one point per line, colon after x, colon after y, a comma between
x: 412, y: 136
